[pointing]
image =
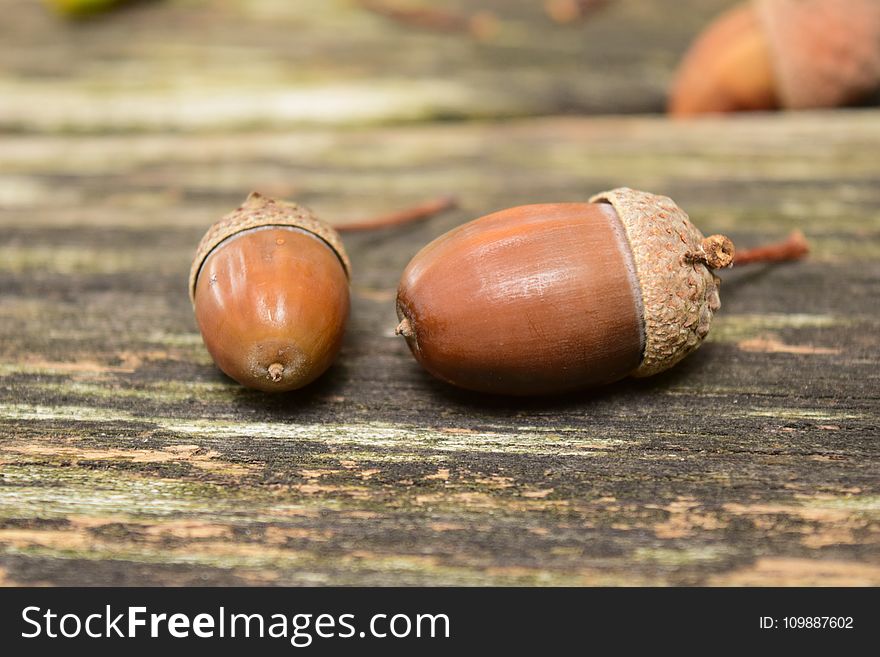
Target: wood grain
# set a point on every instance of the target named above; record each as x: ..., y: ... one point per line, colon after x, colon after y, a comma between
x: 244, y: 64
x: 127, y: 458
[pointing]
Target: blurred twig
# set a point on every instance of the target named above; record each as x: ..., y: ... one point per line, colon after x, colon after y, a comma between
x: 569, y: 11
x: 429, y: 18
x: 482, y: 25
x: 400, y: 217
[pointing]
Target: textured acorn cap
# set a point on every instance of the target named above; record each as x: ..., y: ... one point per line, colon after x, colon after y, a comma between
x: 826, y: 53
x: 258, y: 211
x: 673, y: 261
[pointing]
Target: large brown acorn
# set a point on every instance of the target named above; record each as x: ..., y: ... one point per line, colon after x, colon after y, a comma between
x: 542, y: 299
x: 269, y: 286
x: 782, y: 54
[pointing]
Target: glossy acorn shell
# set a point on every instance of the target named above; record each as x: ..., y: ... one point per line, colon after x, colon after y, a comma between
x: 542, y: 299
x: 271, y: 300
x: 532, y: 300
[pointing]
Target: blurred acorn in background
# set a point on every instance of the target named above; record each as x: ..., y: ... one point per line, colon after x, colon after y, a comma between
x: 782, y: 54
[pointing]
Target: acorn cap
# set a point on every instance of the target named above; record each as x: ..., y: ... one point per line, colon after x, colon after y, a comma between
x: 826, y: 53
x: 673, y: 262
x: 258, y: 211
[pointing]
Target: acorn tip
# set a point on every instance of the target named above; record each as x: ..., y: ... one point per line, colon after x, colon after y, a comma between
x: 276, y: 372
x: 404, y: 328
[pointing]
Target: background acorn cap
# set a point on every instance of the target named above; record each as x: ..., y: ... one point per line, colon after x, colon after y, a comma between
x: 679, y: 292
x: 258, y: 211
x: 826, y: 53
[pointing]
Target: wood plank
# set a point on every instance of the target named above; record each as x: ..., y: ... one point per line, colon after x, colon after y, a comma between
x: 126, y: 458
x: 209, y: 65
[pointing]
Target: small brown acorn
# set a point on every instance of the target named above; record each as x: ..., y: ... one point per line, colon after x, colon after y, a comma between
x: 269, y: 286
x: 789, y: 54
x: 546, y: 298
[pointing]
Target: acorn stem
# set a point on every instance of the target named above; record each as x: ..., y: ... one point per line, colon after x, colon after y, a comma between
x: 400, y: 217
x: 794, y: 247
x: 276, y: 372
x: 716, y: 252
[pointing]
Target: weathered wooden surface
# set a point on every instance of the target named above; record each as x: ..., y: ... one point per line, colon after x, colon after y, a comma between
x: 126, y: 458
x: 220, y: 64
